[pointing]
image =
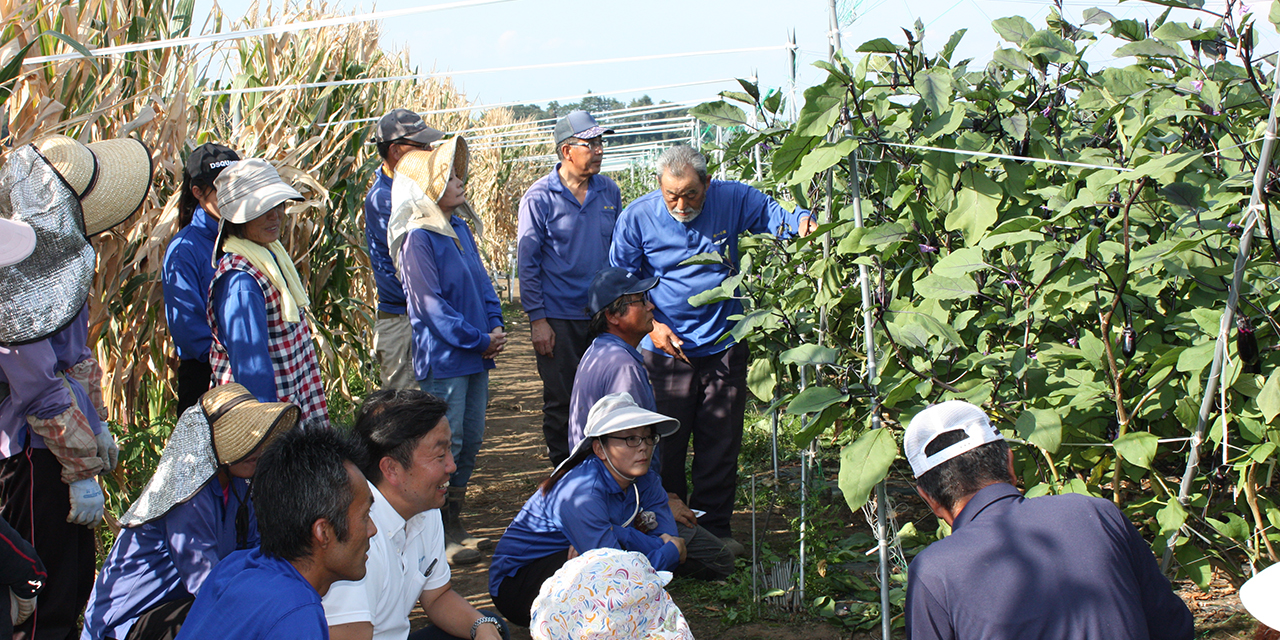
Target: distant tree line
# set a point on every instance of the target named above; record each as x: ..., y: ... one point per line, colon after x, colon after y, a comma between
x: 598, y: 104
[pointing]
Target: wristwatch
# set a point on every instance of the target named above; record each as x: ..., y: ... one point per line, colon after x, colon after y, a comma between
x: 489, y: 619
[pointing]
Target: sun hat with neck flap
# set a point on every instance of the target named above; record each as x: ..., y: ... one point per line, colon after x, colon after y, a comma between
x: 45, y: 289
x: 110, y: 177
x: 619, y: 412
x: 224, y: 428
x: 420, y: 182
x: 605, y: 594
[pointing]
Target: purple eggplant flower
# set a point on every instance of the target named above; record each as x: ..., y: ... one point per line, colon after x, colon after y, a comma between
x: 1073, y: 342
x: 924, y: 248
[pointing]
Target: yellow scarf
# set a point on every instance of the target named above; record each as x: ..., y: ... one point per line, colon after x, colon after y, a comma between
x: 276, y: 263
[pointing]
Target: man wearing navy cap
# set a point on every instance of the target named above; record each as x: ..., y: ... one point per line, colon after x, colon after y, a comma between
x: 1067, y: 566
x: 621, y: 316
x: 566, y: 224
x: 399, y: 132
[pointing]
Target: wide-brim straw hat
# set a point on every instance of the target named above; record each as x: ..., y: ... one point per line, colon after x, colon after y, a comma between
x: 17, y: 241
x: 225, y: 427
x: 111, y: 177
x: 43, y: 292
x: 432, y: 169
x: 249, y: 188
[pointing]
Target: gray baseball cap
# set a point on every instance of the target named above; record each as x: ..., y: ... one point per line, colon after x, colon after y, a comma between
x: 578, y: 124
x: 403, y: 124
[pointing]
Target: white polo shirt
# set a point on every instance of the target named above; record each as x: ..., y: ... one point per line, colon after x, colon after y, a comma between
x: 406, y: 557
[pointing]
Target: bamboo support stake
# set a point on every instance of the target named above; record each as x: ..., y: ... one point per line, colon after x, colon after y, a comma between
x: 1228, y: 314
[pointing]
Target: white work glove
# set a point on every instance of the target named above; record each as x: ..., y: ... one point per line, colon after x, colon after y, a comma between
x: 86, y: 503
x: 20, y: 608
x: 107, y: 450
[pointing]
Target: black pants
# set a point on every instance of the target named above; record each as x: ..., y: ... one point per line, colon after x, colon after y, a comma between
x: 708, y: 396
x: 194, y: 378
x: 161, y: 622
x: 432, y: 632
x: 517, y: 592
x: 557, y: 383
x: 35, y: 501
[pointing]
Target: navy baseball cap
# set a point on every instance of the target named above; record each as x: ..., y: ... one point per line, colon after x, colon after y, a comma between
x: 613, y: 283
x: 578, y: 124
x: 403, y: 124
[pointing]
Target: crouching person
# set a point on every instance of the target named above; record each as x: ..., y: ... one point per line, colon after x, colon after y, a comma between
x: 193, y: 513
x: 313, y: 507
x: 408, y: 467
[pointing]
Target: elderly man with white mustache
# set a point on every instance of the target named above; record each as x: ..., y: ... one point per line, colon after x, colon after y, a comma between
x: 697, y: 378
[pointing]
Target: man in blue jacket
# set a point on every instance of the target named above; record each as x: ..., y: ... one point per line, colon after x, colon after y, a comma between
x: 697, y: 378
x: 1067, y: 566
x: 566, y: 223
x: 399, y: 132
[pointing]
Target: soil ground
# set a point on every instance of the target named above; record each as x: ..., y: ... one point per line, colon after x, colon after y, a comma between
x: 513, y: 461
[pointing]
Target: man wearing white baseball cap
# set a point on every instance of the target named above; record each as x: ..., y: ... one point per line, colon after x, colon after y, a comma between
x: 1067, y: 566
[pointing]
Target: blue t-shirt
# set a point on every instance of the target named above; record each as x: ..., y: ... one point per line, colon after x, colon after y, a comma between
x: 252, y: 596
x: 586, y: 510
x: 240, y: 309
x: 377, y: 213
x: 166, y: 559
x: 1067, y: 567
x: 188, y: 270
x: 452, y: 304
x: 563, y: 244
x: 648, y: 242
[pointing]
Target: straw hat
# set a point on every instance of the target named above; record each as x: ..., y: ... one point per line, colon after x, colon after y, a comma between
x: 17, y: 241
x: 42, y: 292
x: 225, y: 427
x: 240, y: 423
x: 420, y: 181
x: 111, y: 177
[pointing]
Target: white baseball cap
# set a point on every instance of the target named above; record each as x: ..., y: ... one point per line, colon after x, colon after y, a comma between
x: 945, y: 417
x: 1261, y: 596
x: 17, y: 241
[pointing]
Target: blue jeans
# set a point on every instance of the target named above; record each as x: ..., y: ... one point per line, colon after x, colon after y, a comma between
x: 468, y: 397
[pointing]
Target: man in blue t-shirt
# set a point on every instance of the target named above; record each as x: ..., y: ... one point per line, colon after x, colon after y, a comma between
x: 565, y: 224
x: 1067, y: 566
x: 698, y: 378
x: 399, y: 132
x: 313, y: 508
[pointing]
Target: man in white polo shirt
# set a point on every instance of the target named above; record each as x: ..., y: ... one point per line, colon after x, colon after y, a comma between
x: 408, y: 467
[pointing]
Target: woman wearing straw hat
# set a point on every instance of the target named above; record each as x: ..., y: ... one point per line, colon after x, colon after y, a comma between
x: 188, y: 270
x: 53, y: 435
x: 603, y: 495
x: 453, y: 310
x: 257, y: 304
x: 193, y: 512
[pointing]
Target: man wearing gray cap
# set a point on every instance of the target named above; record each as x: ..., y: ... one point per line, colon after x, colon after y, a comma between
x: 1067, y: 566
x: 399, y: 132
x: 566, y: 226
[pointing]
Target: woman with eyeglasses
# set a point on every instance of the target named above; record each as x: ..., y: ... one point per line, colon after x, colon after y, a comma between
x: 603, y: 495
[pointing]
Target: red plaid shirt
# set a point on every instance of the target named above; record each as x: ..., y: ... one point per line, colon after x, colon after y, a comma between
x: 293, y: 353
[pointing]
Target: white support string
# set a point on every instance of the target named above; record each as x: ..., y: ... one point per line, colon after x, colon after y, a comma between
x: 261, y: 31
x: 600, y: 116
x: 481, y: 107
x: 1003, y: 156
x: 449, y: 74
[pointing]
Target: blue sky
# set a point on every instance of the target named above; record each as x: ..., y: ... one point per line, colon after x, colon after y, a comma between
x: 527, y: 32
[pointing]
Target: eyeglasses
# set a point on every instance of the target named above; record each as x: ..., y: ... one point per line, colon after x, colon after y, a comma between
x: 595, y: 144
x: 643, y: 299
x: 634, y: 441
x: 415, y: 145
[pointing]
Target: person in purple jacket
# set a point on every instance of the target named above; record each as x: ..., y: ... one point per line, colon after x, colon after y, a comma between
x: 188, y: 270
x: 566, y: 222
x: 54, y: 439
x: 399, y: 132
x: 455, y: 313
x: 193, y: 513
